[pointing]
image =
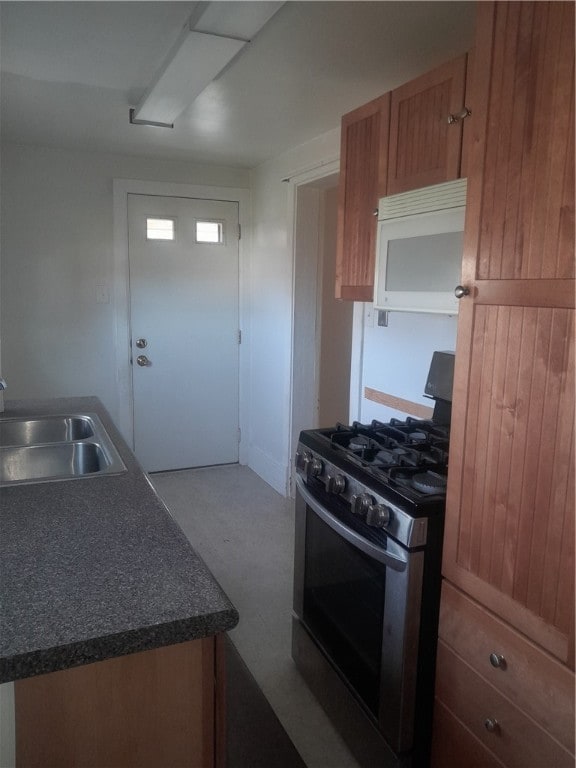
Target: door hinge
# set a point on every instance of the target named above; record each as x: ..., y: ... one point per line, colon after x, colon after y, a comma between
x: 239, y: 336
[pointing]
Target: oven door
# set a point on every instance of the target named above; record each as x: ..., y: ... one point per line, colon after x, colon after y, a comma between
x: 360, y: 602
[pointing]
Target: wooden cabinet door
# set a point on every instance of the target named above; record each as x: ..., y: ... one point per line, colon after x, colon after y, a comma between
x: 510, y: 506
x: 363, y: 158
x: 144, y: 710
x: 424, y: 148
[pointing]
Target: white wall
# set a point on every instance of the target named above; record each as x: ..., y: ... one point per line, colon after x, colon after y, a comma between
x: 396, y: 359
x: 57, y: 252
x: 270, y: 291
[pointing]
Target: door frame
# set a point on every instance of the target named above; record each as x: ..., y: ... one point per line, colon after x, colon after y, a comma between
x: 121, y: 291
x: 297, y: 183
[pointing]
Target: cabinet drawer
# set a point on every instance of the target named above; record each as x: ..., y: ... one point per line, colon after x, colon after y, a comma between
x: 538, y: 684
x: 453, y: 744
x: 513, y: 737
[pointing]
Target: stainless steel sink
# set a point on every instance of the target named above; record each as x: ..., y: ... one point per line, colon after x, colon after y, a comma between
x: 66, y: 447
x: 51, y: 429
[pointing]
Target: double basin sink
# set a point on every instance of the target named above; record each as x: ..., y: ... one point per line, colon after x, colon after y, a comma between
x: 63, y: 447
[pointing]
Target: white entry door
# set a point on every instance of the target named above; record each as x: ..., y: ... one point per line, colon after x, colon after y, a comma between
x: 183, y: 257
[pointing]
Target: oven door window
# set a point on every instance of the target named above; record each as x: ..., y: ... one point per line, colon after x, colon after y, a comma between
x: 344, y: 592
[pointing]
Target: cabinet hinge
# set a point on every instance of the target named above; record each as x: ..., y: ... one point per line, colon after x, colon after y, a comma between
x: 239, y: 232
x: 239, y: 435
x: 239, y: 336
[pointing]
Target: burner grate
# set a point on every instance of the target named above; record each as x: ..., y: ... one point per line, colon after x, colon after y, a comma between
x: 410, y: 454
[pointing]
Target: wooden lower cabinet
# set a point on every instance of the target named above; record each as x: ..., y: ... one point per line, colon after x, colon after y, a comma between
x: 454, y: 746
x: 145, y: 710
x: 498, y: 696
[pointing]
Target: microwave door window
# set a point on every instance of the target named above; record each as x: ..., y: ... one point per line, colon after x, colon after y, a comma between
x: 426, y: 263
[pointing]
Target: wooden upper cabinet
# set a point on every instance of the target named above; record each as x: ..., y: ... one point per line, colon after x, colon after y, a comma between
x: 424, y: 147
x: 510, y: 506
x: 363, y: 155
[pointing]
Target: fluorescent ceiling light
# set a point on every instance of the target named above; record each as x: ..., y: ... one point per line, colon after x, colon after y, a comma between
x: 197, y: 60
x: 233, y: 19
x: 215, y: 34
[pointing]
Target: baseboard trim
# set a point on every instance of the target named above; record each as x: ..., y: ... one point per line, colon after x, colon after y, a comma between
x: 270, y: 471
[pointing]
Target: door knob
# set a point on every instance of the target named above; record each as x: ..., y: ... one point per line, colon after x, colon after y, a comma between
x: 461, y: 291
x: 141, y: 343
x: 143, y: 360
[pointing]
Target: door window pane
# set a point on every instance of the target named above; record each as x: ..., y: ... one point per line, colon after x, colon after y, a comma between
x: 210, y: 232
x: 160, y: 229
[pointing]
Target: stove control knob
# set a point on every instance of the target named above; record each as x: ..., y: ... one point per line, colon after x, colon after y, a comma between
x: 378, y: 516
x: 361, y: 503
x: 335, y: 483
x: 313, y: 467
x: 302, y: 457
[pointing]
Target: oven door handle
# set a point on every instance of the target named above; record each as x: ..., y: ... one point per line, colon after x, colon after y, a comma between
x: 381, y: 555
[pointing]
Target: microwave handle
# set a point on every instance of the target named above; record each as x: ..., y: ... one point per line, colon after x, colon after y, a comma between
x: 381, y: 555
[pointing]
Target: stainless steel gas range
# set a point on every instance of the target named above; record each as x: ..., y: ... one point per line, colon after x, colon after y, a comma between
x: 370, y: 504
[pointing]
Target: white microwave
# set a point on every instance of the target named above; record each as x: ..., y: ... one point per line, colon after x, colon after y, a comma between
x: 419, y: 249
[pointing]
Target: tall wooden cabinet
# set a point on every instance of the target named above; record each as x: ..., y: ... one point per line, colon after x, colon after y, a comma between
x: 509, y: 544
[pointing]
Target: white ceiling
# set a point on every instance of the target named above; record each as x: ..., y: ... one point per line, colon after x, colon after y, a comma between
x: 72, y: 70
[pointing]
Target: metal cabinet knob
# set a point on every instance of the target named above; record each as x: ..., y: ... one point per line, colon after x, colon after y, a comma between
x: 497, y: 660
x: 461, y: 291
x: 141, y: 343
x: 492, y: 725
x: 142, y: 360
x: 459, y: 116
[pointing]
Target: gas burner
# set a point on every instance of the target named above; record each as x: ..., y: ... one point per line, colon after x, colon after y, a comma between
x: 417, y: 436
x: 429, y: 482
x: 359, y: 443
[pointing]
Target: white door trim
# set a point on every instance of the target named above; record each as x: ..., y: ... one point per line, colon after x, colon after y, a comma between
x: 295, y: 181
x: 121, y: 189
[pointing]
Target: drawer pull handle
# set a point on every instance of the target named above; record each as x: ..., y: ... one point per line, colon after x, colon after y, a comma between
x: 492, y: 725
x: 497, y: 660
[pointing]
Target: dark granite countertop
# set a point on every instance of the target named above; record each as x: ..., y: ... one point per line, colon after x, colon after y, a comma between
x: 96, y: 567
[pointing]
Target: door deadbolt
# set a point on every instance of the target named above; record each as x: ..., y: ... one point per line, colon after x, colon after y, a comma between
x: 141, y: 343
x: 143, y: 360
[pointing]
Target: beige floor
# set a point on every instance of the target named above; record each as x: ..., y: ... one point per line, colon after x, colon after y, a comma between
x: 244, y: 531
